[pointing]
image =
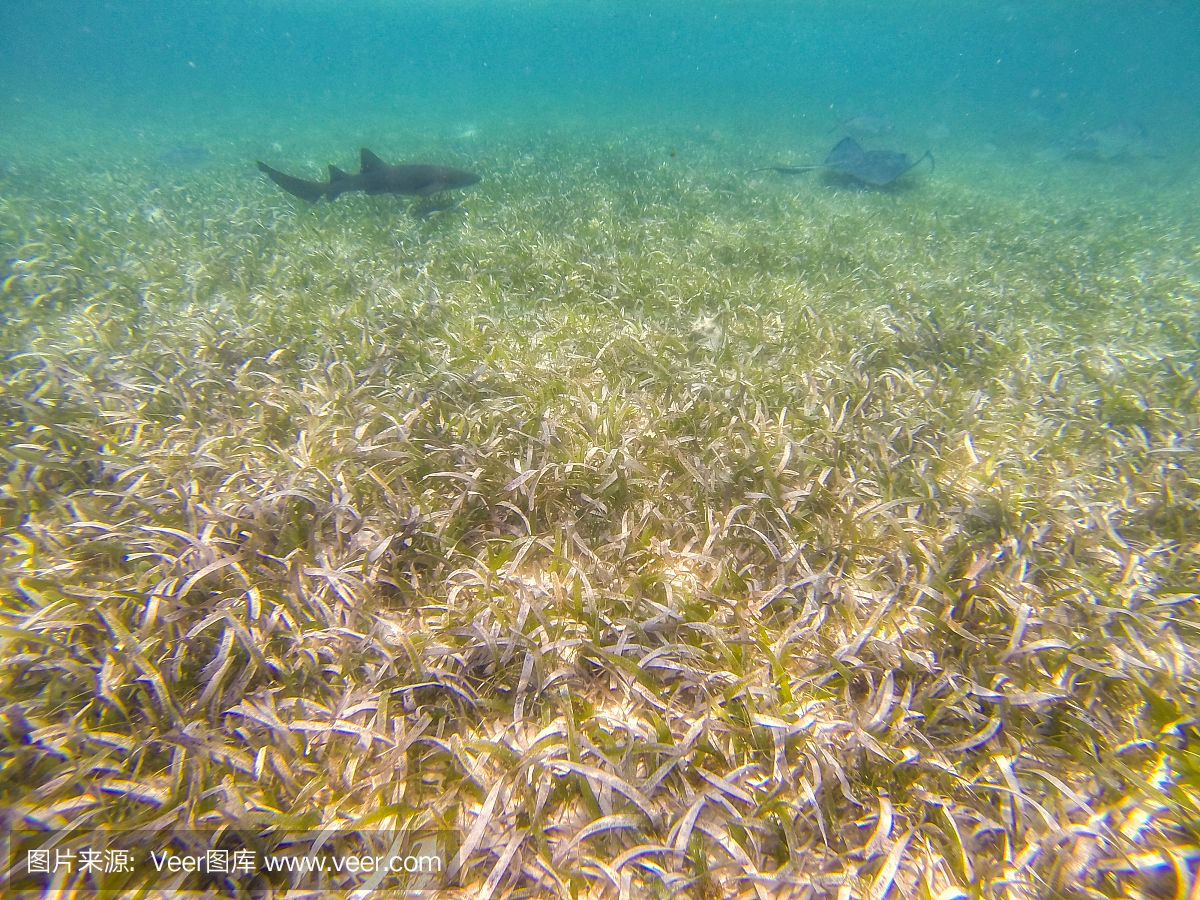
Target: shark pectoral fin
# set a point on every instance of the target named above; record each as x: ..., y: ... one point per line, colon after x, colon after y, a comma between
x: 423, y: 209
x: 297, y: 187
x: 369, y: 162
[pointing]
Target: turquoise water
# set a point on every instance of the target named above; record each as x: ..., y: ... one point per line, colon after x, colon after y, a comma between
x: 1005, y: 74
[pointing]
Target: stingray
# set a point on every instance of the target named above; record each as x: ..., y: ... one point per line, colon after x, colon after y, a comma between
x: 875, y: 168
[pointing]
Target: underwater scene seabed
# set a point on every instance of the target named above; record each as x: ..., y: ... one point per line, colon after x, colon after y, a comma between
x: 652, y: 525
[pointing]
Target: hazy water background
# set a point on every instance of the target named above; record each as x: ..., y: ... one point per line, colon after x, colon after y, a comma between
x: 1016, y: 77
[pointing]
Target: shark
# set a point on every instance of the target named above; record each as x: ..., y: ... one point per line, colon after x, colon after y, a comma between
x: 375, y: 177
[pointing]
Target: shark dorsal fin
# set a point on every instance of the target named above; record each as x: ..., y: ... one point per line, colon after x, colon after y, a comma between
x: 336, y: 174
x: 370, y: 162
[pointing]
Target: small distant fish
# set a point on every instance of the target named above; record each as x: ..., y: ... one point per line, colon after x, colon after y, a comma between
x: 184, y: 156
x: 1118, y: 142
x: 865, y: 126
x: 1115, y: 141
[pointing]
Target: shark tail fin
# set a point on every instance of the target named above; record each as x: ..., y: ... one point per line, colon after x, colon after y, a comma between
x: 297, y: 187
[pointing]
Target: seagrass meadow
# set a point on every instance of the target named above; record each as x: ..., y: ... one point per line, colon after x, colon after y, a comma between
x: 654, y: 527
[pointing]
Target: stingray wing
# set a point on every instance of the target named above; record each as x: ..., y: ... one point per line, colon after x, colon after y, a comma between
x: 845, y: 156
x: 881, y: 167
